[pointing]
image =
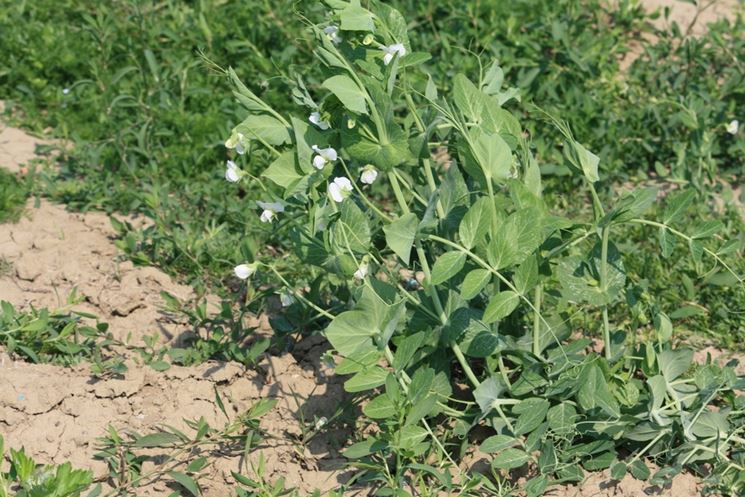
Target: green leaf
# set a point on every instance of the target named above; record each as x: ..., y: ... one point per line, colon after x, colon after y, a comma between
x: 531, y: 413
x: 586, y: 161
x: 674, y: 363
x: 526, y: 276
x: 400, y: 235
x: 598, y: 462
x: 410, y: 435
x: 487, y: 394
x: 385, y: 154
x: 475, y: 224
x: 667, y: 242
x: 185, y: 481
x: 536, y: 486
x: 356, y: 18
x: 663, y: 326
x: 618, y: 470
x: 446, y: 266
x: 351, y: 331
x: 495, y: 443
x: 421, y: 409
x: 468, y: 99
x: 562, y: 418
x: 266, y: 128
x: 406, y: 348
x: 380, y: 407
x: 351, y: 231
x: 510, y: 459
x: 676, y: 205
x: 594, y: 391
x: 474, y: 282
x: 366, y: 379
x: 348, y: 93
x: 639, y: 470
x: 707, y: 229
x: 364, y: 448
x: 162, y: 439
x: 282, y: 171
x: 493, y: 155
x: 501, y: 306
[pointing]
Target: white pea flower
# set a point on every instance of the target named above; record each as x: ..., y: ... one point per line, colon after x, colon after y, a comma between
x: 315, y: 118
x: 286, y: 299
x: 733, y: 127
x: 65, y: 91
x: 271, y: 209
x: 361, y: 272
x: 369, y: 174
x: 325, y: 155
x: 232, y: 172
x: 244, y: 271
x: 321, y: 422
x: 333, y: 33
x: 340, y: 189
x: 237, y: 141
x: 391, y: 51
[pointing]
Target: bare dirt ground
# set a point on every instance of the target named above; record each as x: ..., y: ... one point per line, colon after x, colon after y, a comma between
x: 691, y: 20
x: 58, y: 413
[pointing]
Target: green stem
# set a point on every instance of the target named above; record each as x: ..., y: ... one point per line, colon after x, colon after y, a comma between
x: 604, y: 288
x: 537, y: 300
x: 431, y: 291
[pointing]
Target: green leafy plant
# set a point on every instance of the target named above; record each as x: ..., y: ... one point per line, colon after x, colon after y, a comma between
x: 13, y: 195
x: 58, y: 337
x: 502, y: 272
x: 30, y: 479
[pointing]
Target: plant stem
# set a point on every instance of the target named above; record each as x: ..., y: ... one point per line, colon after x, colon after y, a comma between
x: 604, y: 288
x: 537, y: 300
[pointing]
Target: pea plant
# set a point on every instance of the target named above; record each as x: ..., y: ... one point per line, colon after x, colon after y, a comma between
x: 448, y: 281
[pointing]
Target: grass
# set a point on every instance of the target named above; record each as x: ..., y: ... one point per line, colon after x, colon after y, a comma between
x: 13, y: 195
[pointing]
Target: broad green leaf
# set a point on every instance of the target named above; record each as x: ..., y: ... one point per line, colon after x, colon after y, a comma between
x: 594, y: 391
x: 674, y: 363
x: 474, y: 282
x: 493, y: 155
x: 162, y: 439
x: 409, y: 436
x: 400, y: 235
x: 500, y: 306
x: 580, y: 282
x: 380, y: 407
x: 562, y: 418
x: 266, y: 128
x: 631, y: 206
x: 356, y: 18
x: 618, y: 470
x: 488, y: 393
x: 639, y: 470
x: 667, y: 242
x: 367, y: 379
x: 385, y: 154
x: 586, y: 161
x: 351, y: 331
x: 526, y: 276
x: 598, y: 462
x: 351, y: 231
x: 663, y: 326
x: 282, y: 171
x: 510, y: 459
x: 356, y: 362
x: 536, y: 486
x: 677, y: 204
x: 364, y: 448
x: 495, y: 443
x: 421, y: 409
x: 475, y: 224
x: 468, y: 99
x: 348, y: 93
x: 446, y: 266
x: 185, y: 481
x: 706, y: 229
x: 531, y: 413
x: 406, y: 348
x: 479, y: 340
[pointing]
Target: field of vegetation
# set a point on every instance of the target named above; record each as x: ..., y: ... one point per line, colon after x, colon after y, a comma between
x: 356, y: 247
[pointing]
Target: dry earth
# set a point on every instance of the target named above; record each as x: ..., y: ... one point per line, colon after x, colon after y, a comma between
x: 58, y: 413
